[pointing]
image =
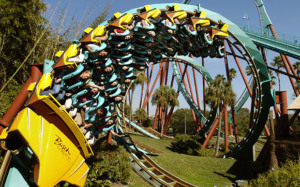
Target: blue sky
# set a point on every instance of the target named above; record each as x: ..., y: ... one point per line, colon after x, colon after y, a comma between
x: 284, y: 16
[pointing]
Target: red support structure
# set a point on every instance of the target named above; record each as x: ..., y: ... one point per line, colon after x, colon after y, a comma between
x: 226, y: 128
x: 21, y: 98
x: 232, y: 106
x: 146, y: 93
x: 282, y: 126
x: 286, y: 64
x: 185, y: 85
x: 191, y: 90
x: 196, y: 88
x: 197, y: 96
x: 147, y: 90
x: 240, y: 69
x: 212, y: 131
x: 148, y: 97
x: 167, y: 72
x: 165, y: 109
x: 233, y: 115
x: 203, y: 82
x: 291, y: 66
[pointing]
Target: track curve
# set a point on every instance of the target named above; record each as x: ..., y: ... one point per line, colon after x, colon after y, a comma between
x: 169, y: 38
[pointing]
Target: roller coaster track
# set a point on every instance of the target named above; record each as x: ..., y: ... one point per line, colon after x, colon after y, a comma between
x: 155, y: 174
x: 150, y: 170
x: 137, y: 127
x: 40, y: 109
x: 273, y: 44
x: 192, y: 62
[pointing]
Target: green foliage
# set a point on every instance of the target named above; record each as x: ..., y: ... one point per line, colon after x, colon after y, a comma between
x: 205, y: 152
x: 296, y: 123
x: 186, y: 144
x: 141, y: 79
x: 8, y: 96
x: 278, y: 64
x: 272, y: 77
x: 178, y: 121
x: 219, y: 92
x: 140, y: 115
x: 165, y: 96
x: 111, y: 164
x: 232, y: 73
x: 243, y: 121
x: 21, y: 24
x: 286, y: 175
x: 148, y: 122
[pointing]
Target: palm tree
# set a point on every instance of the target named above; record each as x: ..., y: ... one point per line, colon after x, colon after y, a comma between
x: 232, y: 73
x: 140, y: 115
x: 272, y: 77
x: 297, y: 67
x: 164, y: 97
x: 248, y: 70
x: 219, y: 94
x: 141, y: 79
x: 277, y: 63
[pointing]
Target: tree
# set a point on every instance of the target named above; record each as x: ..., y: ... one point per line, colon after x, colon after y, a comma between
x: 242, y: 117
x: 232, y: 73
x: 140, y: 115
x: 248, y: 70
x: 277, y: 63
x: 178, y: 124
x: 272, y: 77
x: 297, y: 67
x: 219, y: 94
x: 164, y: 97
x: 21, y: 24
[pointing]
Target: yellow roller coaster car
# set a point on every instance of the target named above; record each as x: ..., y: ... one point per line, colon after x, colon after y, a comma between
x: 119, y: 20
x: 199, y: 20
x: 72, y: 51
x: 58, y: 159
x: 96, y: 36
x: 148, y: 12
x: 221, y: 31
x: 175, y: 12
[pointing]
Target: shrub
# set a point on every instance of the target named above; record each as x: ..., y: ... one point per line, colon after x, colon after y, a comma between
x: 112, y: 164
x: 186, y: 144
x: 206, y: 152
x: 286, y: 175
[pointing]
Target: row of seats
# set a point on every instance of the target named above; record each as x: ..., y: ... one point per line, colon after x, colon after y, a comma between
x: 94, y: 72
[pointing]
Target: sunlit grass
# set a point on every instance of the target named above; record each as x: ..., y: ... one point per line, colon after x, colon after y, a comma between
x: 200, y: 171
